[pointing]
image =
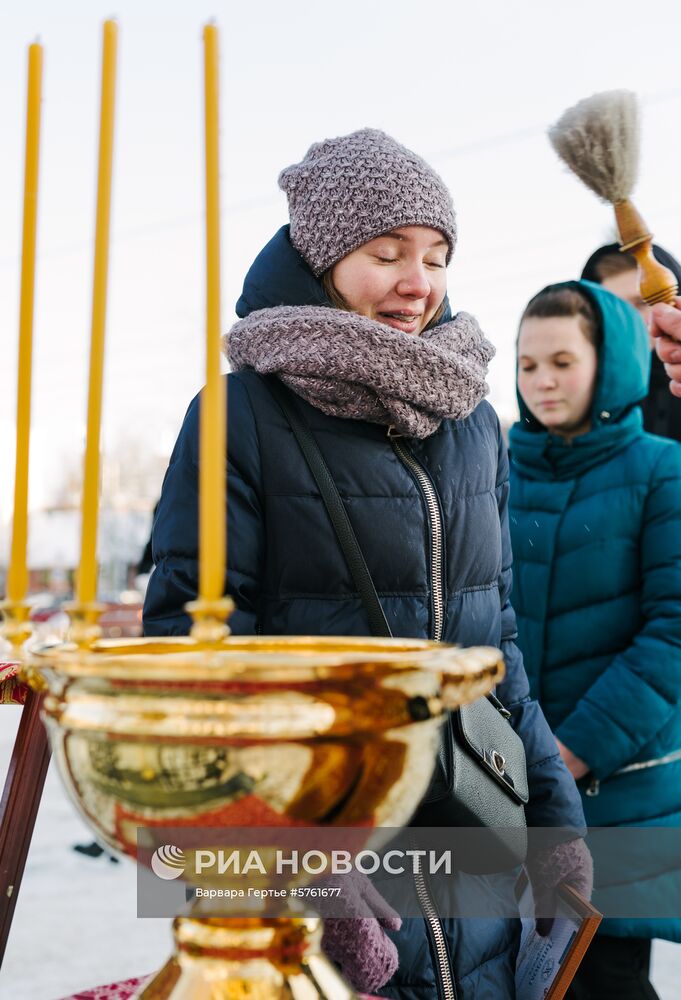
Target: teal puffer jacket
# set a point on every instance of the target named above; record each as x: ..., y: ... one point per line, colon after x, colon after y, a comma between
x: 596, y: 534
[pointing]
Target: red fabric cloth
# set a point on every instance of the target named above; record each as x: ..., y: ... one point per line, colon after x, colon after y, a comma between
x: 113, y: 991
x: 119, y: 991
x: 12, y: 691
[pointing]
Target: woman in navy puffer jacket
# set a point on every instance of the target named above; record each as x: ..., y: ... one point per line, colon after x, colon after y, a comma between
x: 349, y: 309
x: 596, y: 530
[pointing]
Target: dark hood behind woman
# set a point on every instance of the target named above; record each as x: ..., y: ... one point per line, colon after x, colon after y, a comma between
x: 661, y: 410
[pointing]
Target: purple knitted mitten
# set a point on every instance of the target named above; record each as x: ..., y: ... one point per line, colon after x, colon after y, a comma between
x: 366, y: 955
x: 569, y: 862
x: 356, y: 940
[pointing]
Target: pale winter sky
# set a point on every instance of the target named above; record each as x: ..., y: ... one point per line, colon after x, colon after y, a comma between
x: 470, y: 86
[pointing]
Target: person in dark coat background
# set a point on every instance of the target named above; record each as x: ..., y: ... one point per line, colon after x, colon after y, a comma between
x: 619, y: 273
x: 596, y: 533
x: 348, y: 308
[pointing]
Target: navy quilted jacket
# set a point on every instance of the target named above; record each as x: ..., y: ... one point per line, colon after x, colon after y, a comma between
x: 596, y: 530
x: 287, y: 576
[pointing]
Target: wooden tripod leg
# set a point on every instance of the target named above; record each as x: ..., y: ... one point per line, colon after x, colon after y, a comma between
x: 19, y: 806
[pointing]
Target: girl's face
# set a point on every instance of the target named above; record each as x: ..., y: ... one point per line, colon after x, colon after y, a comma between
x: 557, y: 373
x: 399, y: 278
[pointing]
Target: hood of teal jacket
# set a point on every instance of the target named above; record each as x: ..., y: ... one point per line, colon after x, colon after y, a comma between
x: 621, y: 383
x: 623, y: 358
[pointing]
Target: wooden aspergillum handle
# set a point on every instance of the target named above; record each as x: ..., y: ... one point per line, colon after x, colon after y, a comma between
x: 658, y: 284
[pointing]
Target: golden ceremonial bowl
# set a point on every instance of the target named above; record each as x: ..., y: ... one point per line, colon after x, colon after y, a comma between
x: 251, y: 732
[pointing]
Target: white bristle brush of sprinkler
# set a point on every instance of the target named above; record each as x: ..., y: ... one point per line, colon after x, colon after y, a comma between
x: 598, y: 139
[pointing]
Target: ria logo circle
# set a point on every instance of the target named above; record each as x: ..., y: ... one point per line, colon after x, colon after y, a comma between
x: 168, y: 862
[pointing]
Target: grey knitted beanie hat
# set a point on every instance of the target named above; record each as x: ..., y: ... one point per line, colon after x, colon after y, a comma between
x: 347, y: 191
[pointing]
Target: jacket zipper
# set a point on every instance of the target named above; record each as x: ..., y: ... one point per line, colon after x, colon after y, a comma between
x: 446, y: 987
x: 594, y: 785
x: 443, y: 971
x: 436, y: 532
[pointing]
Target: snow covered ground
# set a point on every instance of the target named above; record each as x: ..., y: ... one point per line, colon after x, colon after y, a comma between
x: 75, y: 924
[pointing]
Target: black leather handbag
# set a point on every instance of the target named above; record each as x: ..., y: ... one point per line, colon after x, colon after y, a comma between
x: 480, y: 785
x: 480, y: 779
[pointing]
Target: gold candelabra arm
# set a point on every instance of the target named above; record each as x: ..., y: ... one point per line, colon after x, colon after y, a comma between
x: 16, y: 629
x: 210, y: 619
x: 16, y: 625
x: 658, y: 284
x: 84, y: 628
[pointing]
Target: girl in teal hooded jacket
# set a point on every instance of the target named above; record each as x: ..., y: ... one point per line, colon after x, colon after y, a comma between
x: 595, y: 510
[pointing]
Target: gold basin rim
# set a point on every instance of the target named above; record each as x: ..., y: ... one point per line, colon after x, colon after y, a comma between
x: 264, y: 657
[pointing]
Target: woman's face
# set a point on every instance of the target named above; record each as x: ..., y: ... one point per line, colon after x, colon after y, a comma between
x: 557, y: 373
x: 399, y: 278
x: 626, y: 285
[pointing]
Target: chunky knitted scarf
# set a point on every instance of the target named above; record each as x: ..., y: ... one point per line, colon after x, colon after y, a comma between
x: 350, y: 366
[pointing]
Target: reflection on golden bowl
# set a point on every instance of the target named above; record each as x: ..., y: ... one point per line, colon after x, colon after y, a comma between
x: 252, y: 731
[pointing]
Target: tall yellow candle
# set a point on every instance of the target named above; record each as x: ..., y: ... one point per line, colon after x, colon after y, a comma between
x: 87, y: 574
x: 212, y: 531
x: 17, y: 579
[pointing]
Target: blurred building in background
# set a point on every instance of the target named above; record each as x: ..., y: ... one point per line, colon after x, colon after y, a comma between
x: 131, y: 483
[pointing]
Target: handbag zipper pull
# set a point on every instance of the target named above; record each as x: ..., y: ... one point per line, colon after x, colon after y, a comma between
x: 593, y: 788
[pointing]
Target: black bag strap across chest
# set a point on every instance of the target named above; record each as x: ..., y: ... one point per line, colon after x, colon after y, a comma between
x: 338, y: 515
